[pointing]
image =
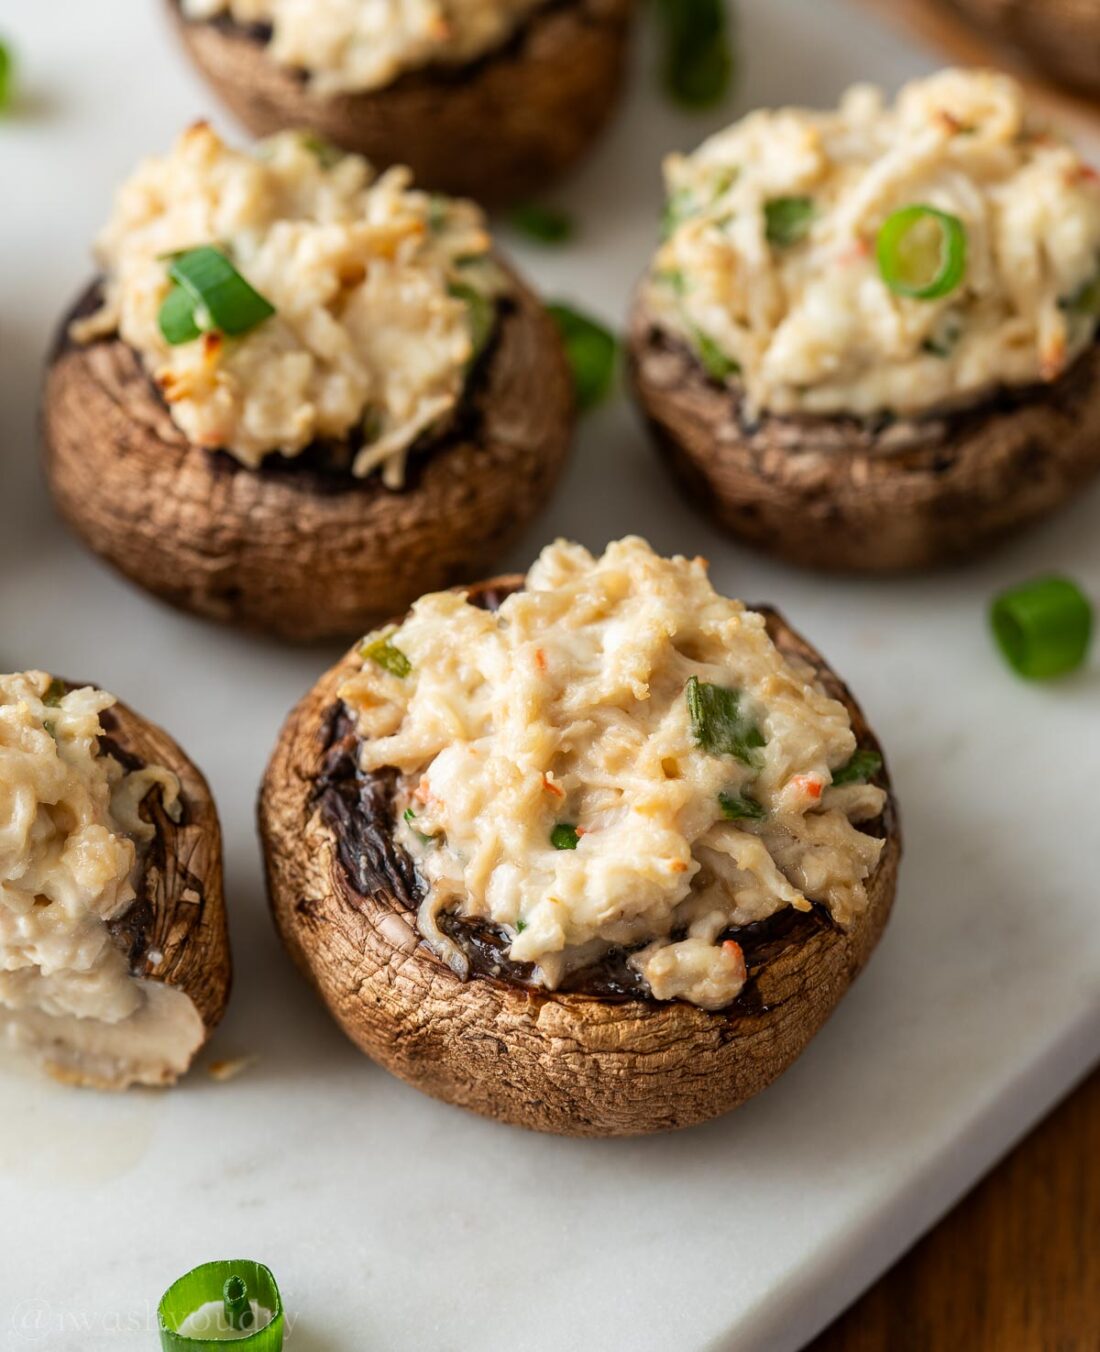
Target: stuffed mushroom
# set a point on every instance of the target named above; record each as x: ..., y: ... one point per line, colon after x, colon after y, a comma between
x: 594, y: 851
x: 300, y: 394
x: 868, y: 340
x: 114, y: 952
x: 1061, y: 37
x: 487, y: 98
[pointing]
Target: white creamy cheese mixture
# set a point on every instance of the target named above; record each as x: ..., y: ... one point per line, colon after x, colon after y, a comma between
x: 381, y: 295
x: 70, y: 834
x: 770, y: 267
x: 355, y: 45
x: 618, y: 757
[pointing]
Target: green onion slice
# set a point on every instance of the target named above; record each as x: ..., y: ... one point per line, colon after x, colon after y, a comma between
x: 714, y: 361
x: 410, y: 818
x: 593, y: 353
x: 564, y: 836
x: 547, y: 225
x: 922, y: 252
x: 55, y: 693
x: 218, y: 1282
x: 679, y: 207
x: 7, y: 81
x: 236, y: 1303
x: 324, y: 152
x: 218, y: 296
x: 697, y: 52
x: 718, y: 723
x: 383, y: 654
x: 787, y: 220
x: 737, y: 808
x: 1044, y: 627
x: 177, y: 317
x: 1084, y: 303
x: 481, y: 314
x: 864, y: 765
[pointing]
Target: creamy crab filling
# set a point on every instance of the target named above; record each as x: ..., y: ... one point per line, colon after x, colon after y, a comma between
x: 70, y: 841
x: 382, y: 298
x: 350, y: 45
x: 619, y: 758
x: 883, y: 258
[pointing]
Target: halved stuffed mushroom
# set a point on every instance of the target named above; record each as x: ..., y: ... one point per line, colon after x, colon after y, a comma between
x: 594, y: 851
x: 487, y: 98
x: 300, y: 394
x: 114, y: 951
x: 868, y: 340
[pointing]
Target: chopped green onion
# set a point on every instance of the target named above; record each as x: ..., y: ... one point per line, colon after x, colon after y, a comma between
x: 674, y: 279
x: 564, y: 836
x: 787, y: 220
x: 438, y: 210
x: 410, y: 818
x: 714, y: 361
x: 481, y: 314
x: 736, y: 808
x: 718, y: 724
x: 592, y: 351
x: 548, y: 225
x: 7, y: 80
x: 521, y: 925
x: 697, y: 57
x: 55, y: 693
x: 1044, y: 627
x: 210, y: 1284
x: 238, y: 1308
x: 383, y: 654
x: 177, y: 317
x: 218, y: 297
x: 678, y: 208
x: 323, y: 151
x: 1084, y: 303
x: 864, y: 765
x: 922, y: 252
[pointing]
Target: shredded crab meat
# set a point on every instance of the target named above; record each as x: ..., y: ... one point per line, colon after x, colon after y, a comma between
x: 70, y: 831
x: 807, y: 324
x: 349, y: 45
x: 571, y: 800
x: 373, y: 336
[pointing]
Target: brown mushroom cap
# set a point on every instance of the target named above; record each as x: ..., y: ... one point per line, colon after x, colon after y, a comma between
x: 294, y: 552
x: 573, y: 1064
x: 1062, y: 37
x: 494, y: 130
x: 840, y: 493
x: 175, y: 931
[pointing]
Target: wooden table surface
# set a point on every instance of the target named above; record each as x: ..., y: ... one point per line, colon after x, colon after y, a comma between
x: 1014, y: 1268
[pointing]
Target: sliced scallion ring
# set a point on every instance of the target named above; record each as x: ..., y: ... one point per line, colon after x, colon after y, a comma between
x: 1044, y: 627
x: 383, y: 654
x: 593, y: 353
x: 547, y: 225
x: 7, y: 82
x: 787, y: 220
x: 225, y: 1291
x: 218, y: 296
x: 481, y: 314
x: 564, y: 836
x: 922, y: 252
x: 697, y: 54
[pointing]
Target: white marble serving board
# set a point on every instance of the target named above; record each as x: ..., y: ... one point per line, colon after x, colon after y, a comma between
x: 399, y: 1224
